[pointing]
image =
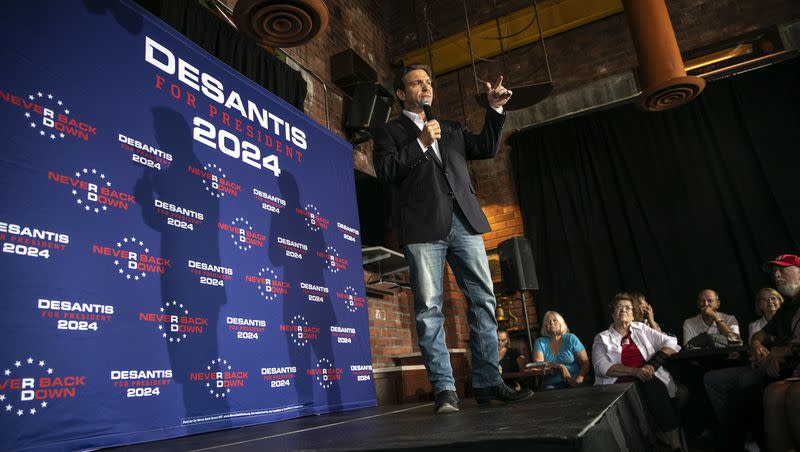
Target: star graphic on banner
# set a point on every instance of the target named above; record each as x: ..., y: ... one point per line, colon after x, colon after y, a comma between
x: 27, y: 115
x: 8, y: 407
x: 33, y: 124
x: 30, y: 360
x: 7, y: 372
x: 121, y: 271
x: 52, y: 136
x: 146, y: 250
x: 94, y: 171
x: 74, y: 192
x: 19, y: 412
x: 41, y: 132
x: 60, y: 103
x: 49, y: 371
x: 44, y: 404
x: 85, y: 171
x: 2, y: 397
x: 88, y: 208
x: 39, y: 94
x: 30, y: 97
x: 80, y: 201
x: 41, y: 363
x: 61, y: 135
x: 33, y: 411
x: 116, y: 262
x: 105, y: 208
x: 127, y: 276
x: 49, y: 96
x: 66, y: 111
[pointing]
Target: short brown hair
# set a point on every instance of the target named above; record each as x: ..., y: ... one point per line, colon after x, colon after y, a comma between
x: 399, y: 83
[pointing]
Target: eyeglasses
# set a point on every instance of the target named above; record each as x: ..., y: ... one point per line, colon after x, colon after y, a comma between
x: 771, y: 299
x: 624, y: 308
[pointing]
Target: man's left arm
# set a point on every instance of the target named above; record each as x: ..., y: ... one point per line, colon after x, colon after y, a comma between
x: 487, y: 143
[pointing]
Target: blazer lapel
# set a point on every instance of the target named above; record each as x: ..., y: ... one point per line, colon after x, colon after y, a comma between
x: 443, y: 147
x: 413, y: 132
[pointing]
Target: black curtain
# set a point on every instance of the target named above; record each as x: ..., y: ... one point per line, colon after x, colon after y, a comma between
x: 237, y: 51
x: 665, y: 203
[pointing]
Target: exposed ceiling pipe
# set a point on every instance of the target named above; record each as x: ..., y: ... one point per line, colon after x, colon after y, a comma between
x: 662, y: 76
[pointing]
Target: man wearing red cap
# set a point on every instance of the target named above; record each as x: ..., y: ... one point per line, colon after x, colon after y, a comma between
x: 781, y: 398
x: 736, y: 392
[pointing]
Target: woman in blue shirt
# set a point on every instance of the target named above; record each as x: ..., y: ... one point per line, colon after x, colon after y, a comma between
x: 558, y: 346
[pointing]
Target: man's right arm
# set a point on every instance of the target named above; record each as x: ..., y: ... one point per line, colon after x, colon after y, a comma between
x: 392, y: 162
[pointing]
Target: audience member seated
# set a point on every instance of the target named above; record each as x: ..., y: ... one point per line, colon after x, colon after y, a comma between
x: 768, y: 300
x: 709, y: 321
x: 737, y: 393
x: 633, y: 352
x: 782, y: 334
x: 558, y: 346
x: 643, y: 311
x: 511, y: 360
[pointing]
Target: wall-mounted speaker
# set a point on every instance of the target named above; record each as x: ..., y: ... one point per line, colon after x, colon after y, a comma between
x: 517, y: 265
x: 369, y: 108
x: 348, y: 69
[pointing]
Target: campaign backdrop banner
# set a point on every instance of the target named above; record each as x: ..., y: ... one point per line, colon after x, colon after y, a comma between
x: 180, y: 248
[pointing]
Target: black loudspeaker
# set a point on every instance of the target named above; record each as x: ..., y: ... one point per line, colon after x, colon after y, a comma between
x: 348, y: 69
x: 517, y: 265
x: 369, y: 108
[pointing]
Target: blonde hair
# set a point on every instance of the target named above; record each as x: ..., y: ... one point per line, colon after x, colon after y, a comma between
x: 564, y: 327
x: 772, y: 292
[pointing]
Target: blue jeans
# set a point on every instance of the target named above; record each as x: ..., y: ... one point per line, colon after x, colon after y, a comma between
x: 464, y: 250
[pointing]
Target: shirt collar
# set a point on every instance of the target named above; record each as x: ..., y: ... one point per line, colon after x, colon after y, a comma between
x: 414, y: 117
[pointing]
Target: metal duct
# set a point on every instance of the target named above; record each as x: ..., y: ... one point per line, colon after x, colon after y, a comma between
x: 286, y: 23
x: 662, y: 76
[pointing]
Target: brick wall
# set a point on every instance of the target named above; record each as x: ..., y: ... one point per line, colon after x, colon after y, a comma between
x: 381, y: 31
x: 358, y: 24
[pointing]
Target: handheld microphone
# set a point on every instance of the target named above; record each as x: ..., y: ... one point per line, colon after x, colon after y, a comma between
x: 426, y: 107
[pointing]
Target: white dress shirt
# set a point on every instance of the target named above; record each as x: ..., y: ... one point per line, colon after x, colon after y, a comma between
x: 695, y: 326
x: 420, y: 123
x: 607, y: 351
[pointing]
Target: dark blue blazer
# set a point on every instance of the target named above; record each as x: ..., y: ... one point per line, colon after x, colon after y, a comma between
x: 423, y: 188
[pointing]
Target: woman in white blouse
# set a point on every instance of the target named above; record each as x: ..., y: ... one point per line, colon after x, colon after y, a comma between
x: 768, y: 300
x: 633, y: 352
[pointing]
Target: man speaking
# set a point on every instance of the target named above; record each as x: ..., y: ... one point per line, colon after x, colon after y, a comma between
x: 436, y: 216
